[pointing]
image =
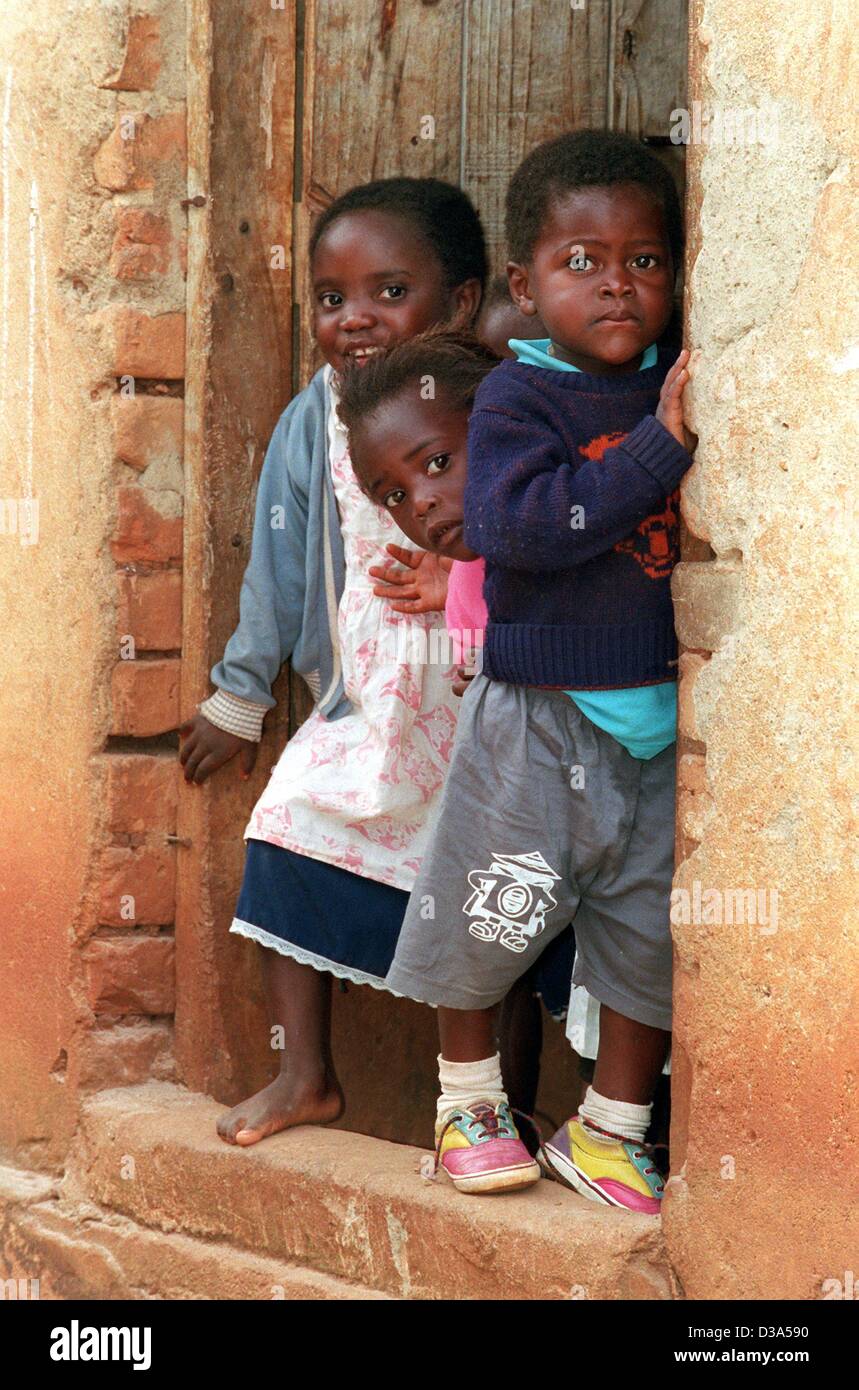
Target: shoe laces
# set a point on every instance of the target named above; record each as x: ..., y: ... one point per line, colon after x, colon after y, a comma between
x: 487, y: 1118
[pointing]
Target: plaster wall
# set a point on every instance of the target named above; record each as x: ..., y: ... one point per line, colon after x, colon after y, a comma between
x: 80, y: 244
x: 766, y: 1038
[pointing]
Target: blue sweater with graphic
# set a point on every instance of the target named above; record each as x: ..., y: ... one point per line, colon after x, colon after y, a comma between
x: 571, y: 499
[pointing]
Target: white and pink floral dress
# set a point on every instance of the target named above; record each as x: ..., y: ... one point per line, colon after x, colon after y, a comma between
x: 357, y: 793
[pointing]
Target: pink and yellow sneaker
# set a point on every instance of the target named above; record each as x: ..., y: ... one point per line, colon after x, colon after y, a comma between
x: 621, y: 1174
x: 480, y: 1150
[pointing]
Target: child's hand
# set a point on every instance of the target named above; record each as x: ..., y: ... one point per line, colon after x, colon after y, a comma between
x: 463, y: 679
x: 669, y: 412
x: 206, y: 748
x: 419, y: 588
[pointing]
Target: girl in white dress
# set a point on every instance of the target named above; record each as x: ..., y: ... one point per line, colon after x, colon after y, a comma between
x: 335, y: 840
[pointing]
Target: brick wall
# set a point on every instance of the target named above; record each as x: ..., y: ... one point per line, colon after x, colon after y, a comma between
x: 129, y: 957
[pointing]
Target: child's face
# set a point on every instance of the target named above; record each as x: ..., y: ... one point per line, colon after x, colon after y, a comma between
x: 600, y: 317
x: 411, y: 457
x: 377, y: 282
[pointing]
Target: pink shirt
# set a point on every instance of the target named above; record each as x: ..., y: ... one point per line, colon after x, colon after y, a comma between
x: 465, y: 611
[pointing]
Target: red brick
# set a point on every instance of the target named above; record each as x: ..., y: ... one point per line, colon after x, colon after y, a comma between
x: 146, y: 428
x: 691, y: 665
x: 145, y: 697
x: 141, y: 793
x: 141, y: 246
x: 134, y: 975
x: 144, y: 345
x: 147, y: 876
x: 113, y: 164
x: 127, y: 1054
x: 139, y: 149
x: 142, y: 62
x: 162, y: 139
x: 149, y: 609
x: 143, y: 532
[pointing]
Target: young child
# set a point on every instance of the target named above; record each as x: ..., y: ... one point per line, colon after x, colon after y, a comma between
x: 379, y: 444
x: 334, y: 842
x: 559, y: 802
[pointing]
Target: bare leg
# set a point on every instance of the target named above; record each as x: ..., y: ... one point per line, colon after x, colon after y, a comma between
x: 466, y: 1035
x: 631, y: 1058
x: 306, y: 1091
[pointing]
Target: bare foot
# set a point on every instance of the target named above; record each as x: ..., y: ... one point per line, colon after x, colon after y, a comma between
x: 280, y: 1106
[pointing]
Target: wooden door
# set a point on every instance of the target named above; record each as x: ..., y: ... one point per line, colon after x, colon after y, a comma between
x: 462, y: 90
x: 290, y: 103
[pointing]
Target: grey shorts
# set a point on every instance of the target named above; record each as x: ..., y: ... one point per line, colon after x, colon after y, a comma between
x: 544, y: 819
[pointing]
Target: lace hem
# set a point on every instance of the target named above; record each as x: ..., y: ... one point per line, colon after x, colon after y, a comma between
x: 285, y: 948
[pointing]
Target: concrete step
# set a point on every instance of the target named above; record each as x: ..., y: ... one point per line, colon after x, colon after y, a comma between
x: 52, y: 1248
x: 352, y: 1208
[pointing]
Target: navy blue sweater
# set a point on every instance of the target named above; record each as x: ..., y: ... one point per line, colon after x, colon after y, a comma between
x: 572, y: 500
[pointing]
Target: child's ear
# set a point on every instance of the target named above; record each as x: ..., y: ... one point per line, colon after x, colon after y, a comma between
x: 517, y: 279
x: 466, y: 303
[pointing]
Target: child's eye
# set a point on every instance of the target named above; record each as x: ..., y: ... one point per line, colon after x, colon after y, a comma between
x: 651, y: 261
x: 580, y: 261
x: 393, y: 498
x: 437, y: 464
x: 394, y: 291
x: 331, y: 299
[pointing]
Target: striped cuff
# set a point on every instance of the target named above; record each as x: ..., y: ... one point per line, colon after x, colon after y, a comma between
x: 234, y: 715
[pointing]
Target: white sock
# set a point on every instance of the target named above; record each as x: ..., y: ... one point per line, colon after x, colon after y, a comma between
x: 465, y: 1083
x: 617, y: 1116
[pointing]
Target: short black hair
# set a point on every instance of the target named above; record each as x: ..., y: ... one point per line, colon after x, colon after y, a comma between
x: 456, y: 361
x: 584, y: 159
x: 441, y: 213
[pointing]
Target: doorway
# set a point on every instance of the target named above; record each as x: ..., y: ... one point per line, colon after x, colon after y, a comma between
x: 306, y: 101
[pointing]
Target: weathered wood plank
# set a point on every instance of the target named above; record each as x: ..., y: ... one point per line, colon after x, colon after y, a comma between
x: 648, y: 71
x: 241, y: 89
x: 373, y: 69
x: 649, y: 44
x: 534, y: 68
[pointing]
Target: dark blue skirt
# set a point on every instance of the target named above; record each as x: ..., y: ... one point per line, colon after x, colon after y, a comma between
x: 334, y: 920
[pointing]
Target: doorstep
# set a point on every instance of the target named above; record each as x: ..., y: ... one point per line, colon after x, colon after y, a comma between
x: 347, y: 1209
x: 57, y: 1249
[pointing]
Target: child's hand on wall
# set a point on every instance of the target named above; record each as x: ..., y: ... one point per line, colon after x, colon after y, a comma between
x: 669, y: 412
x: 419, y: 588
x: 206, y: 748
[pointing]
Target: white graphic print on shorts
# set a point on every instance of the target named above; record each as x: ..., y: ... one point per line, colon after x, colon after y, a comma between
x: 511, y: 899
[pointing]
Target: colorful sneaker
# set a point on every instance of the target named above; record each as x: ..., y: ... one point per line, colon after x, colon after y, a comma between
x: 621, y: 1174
x: 480, y: 1150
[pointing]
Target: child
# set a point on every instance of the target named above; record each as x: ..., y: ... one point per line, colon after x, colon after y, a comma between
x: 498, y: 322
x: 334, y: 842
x: 559, y: 802
x: 381, y: 443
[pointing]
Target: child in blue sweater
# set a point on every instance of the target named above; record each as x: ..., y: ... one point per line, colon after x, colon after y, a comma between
x: 559, y: 803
